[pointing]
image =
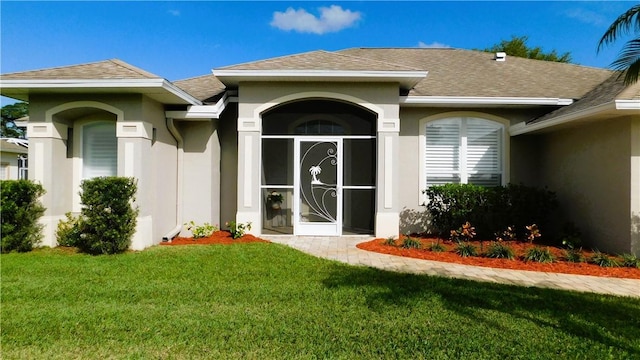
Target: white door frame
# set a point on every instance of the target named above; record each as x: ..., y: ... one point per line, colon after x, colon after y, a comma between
x: 300, y: 227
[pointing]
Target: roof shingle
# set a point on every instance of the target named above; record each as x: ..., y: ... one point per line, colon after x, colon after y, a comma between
x: 102, y: 70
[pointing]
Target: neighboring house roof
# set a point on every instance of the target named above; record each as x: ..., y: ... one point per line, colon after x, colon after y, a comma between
x: 108, y: 69
x: 206, y: 88
x: 17, y: 146
x: 457, y: 72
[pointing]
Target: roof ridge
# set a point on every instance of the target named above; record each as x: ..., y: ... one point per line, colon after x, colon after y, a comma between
x: 132, y: 68
x: 193, y: 78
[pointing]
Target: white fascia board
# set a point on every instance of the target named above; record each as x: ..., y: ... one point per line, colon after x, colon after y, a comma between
x: 523, y: 128
x: 480, y: 101
x: 628, y: 104
x: 100, y: 84
x: 405, y: 77
x: 200, y: 112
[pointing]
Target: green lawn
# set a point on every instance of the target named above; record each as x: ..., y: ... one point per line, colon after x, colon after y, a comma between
x: 264, y: 301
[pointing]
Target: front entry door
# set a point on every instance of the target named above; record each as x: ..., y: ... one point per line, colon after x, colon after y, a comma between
x: 318, y: 186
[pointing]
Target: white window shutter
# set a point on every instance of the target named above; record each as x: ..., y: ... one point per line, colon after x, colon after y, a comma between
x: 484, y: 156
x: 99, y: 150
x: 442, y: 158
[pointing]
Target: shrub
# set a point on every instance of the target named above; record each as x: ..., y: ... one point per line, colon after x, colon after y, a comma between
x: 390, y: 241
x: 237, y: 230
x: 574, y: 255
x: 533, y: 232
x: 411, y: 243
x: 465, y: 249
x: 498, y: 250
x: 506, y: 235
x: 602, y: 259
x: 437, y: 247
x: 630, y: 260
x: 20, y: 210
x: 490, y: 209
x: 68, y: 231
x: 539, y: 254
x: 201, y: 231
x: 108, y: 219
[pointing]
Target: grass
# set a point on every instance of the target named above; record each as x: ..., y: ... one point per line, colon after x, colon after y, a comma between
x: 266, y: 301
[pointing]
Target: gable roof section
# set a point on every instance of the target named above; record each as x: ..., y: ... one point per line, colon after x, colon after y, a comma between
x: 468, y: 73
x: 321, y: 66
x: 13, y: 146
x: 109, y: 76
x: 108, y: 69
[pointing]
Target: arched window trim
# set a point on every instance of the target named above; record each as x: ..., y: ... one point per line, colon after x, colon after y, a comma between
x: 505, y: 146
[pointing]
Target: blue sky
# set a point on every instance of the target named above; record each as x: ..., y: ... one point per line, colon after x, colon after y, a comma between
x: 178, y: 40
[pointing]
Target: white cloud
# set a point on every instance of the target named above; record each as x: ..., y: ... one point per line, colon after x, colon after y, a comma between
x: 586, y: 16
x: 332, y: 19
x: 174, y: 12
x: 434, y: 44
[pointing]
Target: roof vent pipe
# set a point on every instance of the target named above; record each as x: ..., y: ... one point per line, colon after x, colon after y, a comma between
x: 501, y: 56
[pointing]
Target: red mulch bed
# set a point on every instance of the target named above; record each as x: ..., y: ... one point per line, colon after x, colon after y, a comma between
x: 218, y: 237
x: 558, y: 266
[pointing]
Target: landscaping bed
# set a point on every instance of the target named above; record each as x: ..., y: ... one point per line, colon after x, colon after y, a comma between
x: 217, y: 237
x: 560, y: 265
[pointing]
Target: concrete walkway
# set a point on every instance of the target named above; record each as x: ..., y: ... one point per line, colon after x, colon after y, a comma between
x: 344, y: 249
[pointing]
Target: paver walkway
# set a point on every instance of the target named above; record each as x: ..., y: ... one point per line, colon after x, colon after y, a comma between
x: 344, y: 249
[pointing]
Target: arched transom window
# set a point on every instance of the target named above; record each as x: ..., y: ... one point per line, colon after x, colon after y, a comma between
x: 464, y: 150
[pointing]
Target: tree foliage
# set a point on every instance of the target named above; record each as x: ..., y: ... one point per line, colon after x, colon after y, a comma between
x: 11, y: 113
x: 628, y: 60
x: 518, y: 47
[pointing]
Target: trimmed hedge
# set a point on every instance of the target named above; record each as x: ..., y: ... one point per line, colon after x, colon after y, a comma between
x: 20, y: 210
x: 108, y: 220
x: 489, y: 209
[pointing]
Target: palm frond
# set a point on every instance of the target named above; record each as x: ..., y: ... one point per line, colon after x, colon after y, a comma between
x: 622, y: 25
x: 629, y: 61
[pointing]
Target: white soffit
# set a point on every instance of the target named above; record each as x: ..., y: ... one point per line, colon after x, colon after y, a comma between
x: 201, y: 112
x: 407, y: 79
x: 479, y: 101
x: 159, y: 89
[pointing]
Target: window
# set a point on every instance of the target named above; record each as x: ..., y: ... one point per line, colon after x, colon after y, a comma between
x: 99, y: 150
x: 23, y: 167
x: 464, y: 150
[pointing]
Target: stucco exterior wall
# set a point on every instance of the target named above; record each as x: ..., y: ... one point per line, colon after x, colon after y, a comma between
x: 145, y: 153
x: 589, y: 167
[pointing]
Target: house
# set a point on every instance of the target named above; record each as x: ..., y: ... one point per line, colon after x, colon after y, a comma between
x: 13, y: 158
x: 349, y: 139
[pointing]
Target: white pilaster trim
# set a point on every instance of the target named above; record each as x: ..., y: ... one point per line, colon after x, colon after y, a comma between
x: 388, y: 172
x: 388, y: 125
x: 247, y: 191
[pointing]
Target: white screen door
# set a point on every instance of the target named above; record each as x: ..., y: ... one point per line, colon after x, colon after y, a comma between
x: 318, y: 186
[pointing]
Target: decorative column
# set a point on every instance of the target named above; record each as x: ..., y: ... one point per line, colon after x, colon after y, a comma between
x: 387, y: 181
x: 249, y: 199
x: 49, y: 166
x: 134, y: 154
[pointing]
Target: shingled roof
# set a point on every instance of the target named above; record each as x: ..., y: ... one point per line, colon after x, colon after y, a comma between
x: 322, y: 60
x: 206, y: 88
x: 102, y: 70
x: 457, y: 72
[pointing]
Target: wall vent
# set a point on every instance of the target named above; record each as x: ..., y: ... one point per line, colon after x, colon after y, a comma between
x: 501, y: 56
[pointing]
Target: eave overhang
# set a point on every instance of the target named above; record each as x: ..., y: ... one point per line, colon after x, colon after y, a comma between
x: 202, y: 112
x: 160, y: 90
x: 607, y: 110
x: 480, y: 101
x: 406, y: 79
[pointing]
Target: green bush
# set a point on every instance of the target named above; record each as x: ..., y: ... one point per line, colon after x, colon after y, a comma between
x: 68, y: 231
x: 602, y: 259
x: 630, y: 260
x: 108, y: 220
x: 201, y: 231
x: 411, y: 243
x: 466, y: 249
x: 238, y: 230
x: 20, y: 210
x: 490, y: 209
x: 538, y: 254
x: 499, y: 250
